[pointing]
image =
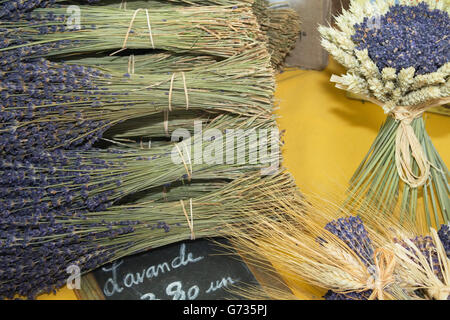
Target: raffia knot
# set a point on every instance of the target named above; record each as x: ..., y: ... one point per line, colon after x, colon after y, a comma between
x: 405, y: 114
x: 408, y: 146
x: 384, y: 273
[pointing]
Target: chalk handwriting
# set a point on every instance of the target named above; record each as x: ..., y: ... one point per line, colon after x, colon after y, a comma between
x: 114, y: 285
x: 219, y: 284
x: 176, y: 291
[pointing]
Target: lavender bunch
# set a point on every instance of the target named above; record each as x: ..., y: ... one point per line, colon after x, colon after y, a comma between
x: 352, y: 232
x: 280, y: 25
x: 411, y: 36
x: 47, y: 105
x: 35, y: 94
x: 423, y: 265
x: 397, y: 55
x: 35, y: 256
x: 350, y: 258
x: 15, y: 9
x: 372, y: 257
x: 176, y: 29
x: 66, y: 183
x: 427, y: 248
x: 421, y: 250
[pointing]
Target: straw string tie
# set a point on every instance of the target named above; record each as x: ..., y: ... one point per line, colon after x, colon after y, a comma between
x: 124, y: 45
x: 186, y: 94
x: 408, y: 146
x: 384, y: 273
x: 189, y: 171
x: 191, y: 220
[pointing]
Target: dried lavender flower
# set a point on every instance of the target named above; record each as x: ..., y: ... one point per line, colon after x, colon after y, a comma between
x: 35, y: 256
x: 427, y: 248
x: 351, y: 230
x: 177, y: 29
x: 406, y: 36
x: 331, y: 295
x: 444, y: 235
x: 47, y: 105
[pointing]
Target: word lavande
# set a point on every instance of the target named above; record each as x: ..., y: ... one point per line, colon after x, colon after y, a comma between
x: 112, y: 285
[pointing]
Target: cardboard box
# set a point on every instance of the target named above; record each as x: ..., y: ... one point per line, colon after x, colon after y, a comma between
x: 308, y: 53
x: 337, y: 6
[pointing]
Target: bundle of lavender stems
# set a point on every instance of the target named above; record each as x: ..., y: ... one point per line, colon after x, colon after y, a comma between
x: 99, y: 137
x: 50, y: 104
x: 277, y: 20
x: 279, y: 27
x: 35, y: 256
x: 221, y: 31
x: 93, y: 179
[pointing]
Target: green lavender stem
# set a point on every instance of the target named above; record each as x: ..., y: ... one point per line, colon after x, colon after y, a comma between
x: 376, y: 179
x: 213, y: 30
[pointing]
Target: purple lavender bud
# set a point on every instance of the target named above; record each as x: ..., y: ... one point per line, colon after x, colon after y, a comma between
x: 351, y: 230
x: 407, y: 36
x: 364, y: 295
x: 444, y: 235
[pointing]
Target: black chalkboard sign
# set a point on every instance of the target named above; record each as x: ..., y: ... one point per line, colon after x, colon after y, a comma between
x: 189, y: 270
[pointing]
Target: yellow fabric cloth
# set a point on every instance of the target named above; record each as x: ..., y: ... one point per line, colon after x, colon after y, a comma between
x: 327, y: 135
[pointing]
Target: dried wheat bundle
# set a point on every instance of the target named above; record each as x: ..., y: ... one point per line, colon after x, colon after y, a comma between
x: 282, y: 27
x: 318, y: 243
x: 397, y: 56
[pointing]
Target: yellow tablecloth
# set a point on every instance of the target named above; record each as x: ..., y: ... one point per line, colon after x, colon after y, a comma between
x: 327, y: 135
